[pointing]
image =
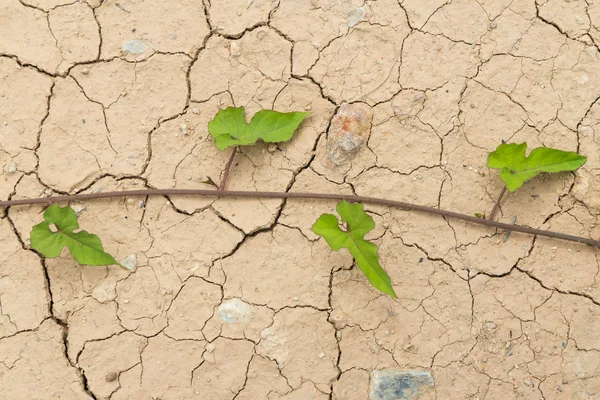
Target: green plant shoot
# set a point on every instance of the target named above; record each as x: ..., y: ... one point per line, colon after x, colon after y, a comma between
x: 229, y: 128
x: 364, y: 252
x: 85, y: 247
x: 516, y: 169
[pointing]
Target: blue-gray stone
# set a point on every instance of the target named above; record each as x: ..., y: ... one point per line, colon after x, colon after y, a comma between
x: 134, y: 46
x: 355, y: 16
x: 390, y: 384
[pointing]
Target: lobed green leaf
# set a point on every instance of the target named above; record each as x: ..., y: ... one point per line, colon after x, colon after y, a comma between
x: 516, y: 169
x: 229, y: 127
x: 364, y: 252
x: 85, y: 247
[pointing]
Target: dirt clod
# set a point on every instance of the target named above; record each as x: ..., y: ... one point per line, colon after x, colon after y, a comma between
x: 111, y: 377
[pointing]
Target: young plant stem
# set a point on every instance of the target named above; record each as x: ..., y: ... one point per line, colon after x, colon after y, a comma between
x: 309, y: 196
x: 497, y: 204
x: 227, y: 168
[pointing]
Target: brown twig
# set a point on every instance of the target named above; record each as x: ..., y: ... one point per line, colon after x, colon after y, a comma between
x: 226, y: 170
x: 310, y: 196
x: 497, y: 204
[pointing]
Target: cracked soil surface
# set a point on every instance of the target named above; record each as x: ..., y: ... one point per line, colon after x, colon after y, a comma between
x: 237, y: 298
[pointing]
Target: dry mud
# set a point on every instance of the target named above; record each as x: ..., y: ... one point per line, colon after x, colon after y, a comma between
x: 238, y: 299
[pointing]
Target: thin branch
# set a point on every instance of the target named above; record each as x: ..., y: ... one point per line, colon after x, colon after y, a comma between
x: 227, y: 168
x: 497, y: 204
x: 310, y: 196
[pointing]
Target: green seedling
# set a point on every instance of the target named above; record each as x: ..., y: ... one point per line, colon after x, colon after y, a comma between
x: 229, y: 127
x: 516, y: 169
x: 365, y: 253
x: 85, y: 247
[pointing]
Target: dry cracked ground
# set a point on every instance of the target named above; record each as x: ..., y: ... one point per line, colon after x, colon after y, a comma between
x: 238, y: 299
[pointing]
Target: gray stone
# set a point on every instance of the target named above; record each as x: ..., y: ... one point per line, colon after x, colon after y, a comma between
x: 350, y: 129
x: 130, y: 263
x: 355, y: 16
x: 390, y: 384
x: 134, y: 46
x: 235, y: 311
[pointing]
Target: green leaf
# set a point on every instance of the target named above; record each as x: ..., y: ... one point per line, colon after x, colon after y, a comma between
x: 364, y: 252
x: 84, y: 247
x: 229, y: 128
x: 516, y: 169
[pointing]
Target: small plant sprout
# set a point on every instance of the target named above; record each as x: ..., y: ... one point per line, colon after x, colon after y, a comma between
x: 230, y: 129
x: 365, y: 253
x: 85, y: 247
x: 516, y: 169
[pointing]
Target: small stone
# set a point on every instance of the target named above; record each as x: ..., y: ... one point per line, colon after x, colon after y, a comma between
x: 12, y: 168
x: 272, y: 148
x: 494, y: 25
x: 321, y: 355
x: 134, y: 46
x: 111, y: 377
x: 85, y: 71
x: 350, y: 128
x: 195, y: 110
x: 126, y: 301
x: 184, y: 129
x: 78, y: 208
x: 210, y: 348
x: 235, y: 48
x: 356, y: 16
x: 395, y: 384
x: 130, y: 263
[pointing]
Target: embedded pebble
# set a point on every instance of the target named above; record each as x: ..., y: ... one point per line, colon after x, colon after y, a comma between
x: 396, y: 384
x: 130, y: 263
x: 350, y: 128
x: 111, y: 377
x: 235, y: 49
x: 12, y: 168
x: 134, y: 46
x: 355, y: 16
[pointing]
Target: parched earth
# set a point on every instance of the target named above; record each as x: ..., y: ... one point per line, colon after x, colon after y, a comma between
x: 238, y: 299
